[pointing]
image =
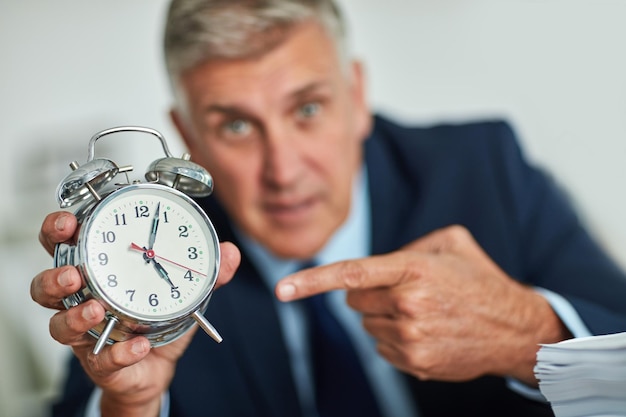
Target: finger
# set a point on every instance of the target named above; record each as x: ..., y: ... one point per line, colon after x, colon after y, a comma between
x: 68, y: 327
x: 393, y: 330
x: 173, y: 351
x: 398, y: 357
x: 52, y: 285
x: 118, y: 355
x: 371, y: 272
x: 56, y: 228
x: 230, y: 259
x: 376, y: 301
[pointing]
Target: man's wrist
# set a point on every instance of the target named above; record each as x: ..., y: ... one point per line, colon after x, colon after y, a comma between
x: 112, y: 405
x: 566, y: 312
x: 573, y: 326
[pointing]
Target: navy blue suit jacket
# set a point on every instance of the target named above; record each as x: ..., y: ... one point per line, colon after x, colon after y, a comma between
x: 420, y: 179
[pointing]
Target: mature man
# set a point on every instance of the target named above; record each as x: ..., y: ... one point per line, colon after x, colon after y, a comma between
x: 457, y: 258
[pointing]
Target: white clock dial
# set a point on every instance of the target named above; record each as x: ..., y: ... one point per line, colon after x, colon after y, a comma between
x: 152, y: 253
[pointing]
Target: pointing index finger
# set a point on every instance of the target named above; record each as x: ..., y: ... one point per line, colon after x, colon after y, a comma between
x: 370, y: 272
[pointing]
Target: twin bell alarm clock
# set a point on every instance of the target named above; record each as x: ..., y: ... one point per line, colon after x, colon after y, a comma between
x: 145, y: 250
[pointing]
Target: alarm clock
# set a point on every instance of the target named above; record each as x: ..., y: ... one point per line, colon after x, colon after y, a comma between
x: 145, y: 249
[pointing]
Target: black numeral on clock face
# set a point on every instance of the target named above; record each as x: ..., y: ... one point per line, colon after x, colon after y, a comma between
x: 108, y: 237
x: 120, y: 219
x: 141, y: 211
x: 175, y: 293
x: 112, y: 280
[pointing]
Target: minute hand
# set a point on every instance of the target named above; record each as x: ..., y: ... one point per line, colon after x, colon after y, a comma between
x: 155, y: 226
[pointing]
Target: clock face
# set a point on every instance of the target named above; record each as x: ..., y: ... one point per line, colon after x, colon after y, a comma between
x: 150, y: 252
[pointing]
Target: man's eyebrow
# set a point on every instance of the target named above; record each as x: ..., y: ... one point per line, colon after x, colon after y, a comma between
x: 309, y: 88
x: 225, y: 109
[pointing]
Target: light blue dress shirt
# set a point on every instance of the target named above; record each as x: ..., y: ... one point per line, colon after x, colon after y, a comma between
x: 351, y: 241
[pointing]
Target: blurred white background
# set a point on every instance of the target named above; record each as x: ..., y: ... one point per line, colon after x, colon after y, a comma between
x: 71, y: 68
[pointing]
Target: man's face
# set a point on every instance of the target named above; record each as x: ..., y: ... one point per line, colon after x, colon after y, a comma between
x: 281, y: 135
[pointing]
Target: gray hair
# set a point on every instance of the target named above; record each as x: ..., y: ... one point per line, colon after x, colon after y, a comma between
x: 200, y: 30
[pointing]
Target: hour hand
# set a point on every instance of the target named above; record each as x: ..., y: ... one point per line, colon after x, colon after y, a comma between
x: 155, y: 226
x: 162, y: 272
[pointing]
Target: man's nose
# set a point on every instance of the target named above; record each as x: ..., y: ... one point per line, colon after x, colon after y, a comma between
x: 283, y: 162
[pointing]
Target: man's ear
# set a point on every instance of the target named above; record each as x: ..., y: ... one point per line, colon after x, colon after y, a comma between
x: 361, y: 106
x: 183, y: 129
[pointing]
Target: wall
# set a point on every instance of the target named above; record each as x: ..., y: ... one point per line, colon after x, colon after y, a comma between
x: 71, y: 68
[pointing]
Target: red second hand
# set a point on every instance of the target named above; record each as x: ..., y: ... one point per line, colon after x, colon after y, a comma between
x: 139, y: 248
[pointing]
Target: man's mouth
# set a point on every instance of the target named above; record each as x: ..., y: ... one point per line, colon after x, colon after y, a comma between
x: 291, y: 212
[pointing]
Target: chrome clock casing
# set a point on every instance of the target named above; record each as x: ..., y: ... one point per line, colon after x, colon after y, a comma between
x: 93, y: 186
x: 159, y: 330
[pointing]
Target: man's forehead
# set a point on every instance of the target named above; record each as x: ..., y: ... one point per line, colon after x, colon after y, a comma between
x: 298, y: 67
x: 306, y: 42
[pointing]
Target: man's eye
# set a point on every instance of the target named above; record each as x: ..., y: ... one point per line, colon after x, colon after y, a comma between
x: 309, y: 110
x: 238, y: 127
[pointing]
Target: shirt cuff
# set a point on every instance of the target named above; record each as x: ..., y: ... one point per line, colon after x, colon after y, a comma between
x: 93, y: 405
x: 570, y: 318
x: 568, y: 315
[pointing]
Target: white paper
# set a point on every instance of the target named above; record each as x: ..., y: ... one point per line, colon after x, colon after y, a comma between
x: 584, y: 376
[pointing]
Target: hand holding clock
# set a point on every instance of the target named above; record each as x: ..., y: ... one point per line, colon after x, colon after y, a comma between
x: 131, y: 375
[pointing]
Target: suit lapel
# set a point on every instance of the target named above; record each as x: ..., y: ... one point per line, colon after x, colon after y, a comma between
x: 389, y: 199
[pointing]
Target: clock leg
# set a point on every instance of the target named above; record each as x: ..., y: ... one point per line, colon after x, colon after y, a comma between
x: 207, y: 327
x: 104, y: 336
